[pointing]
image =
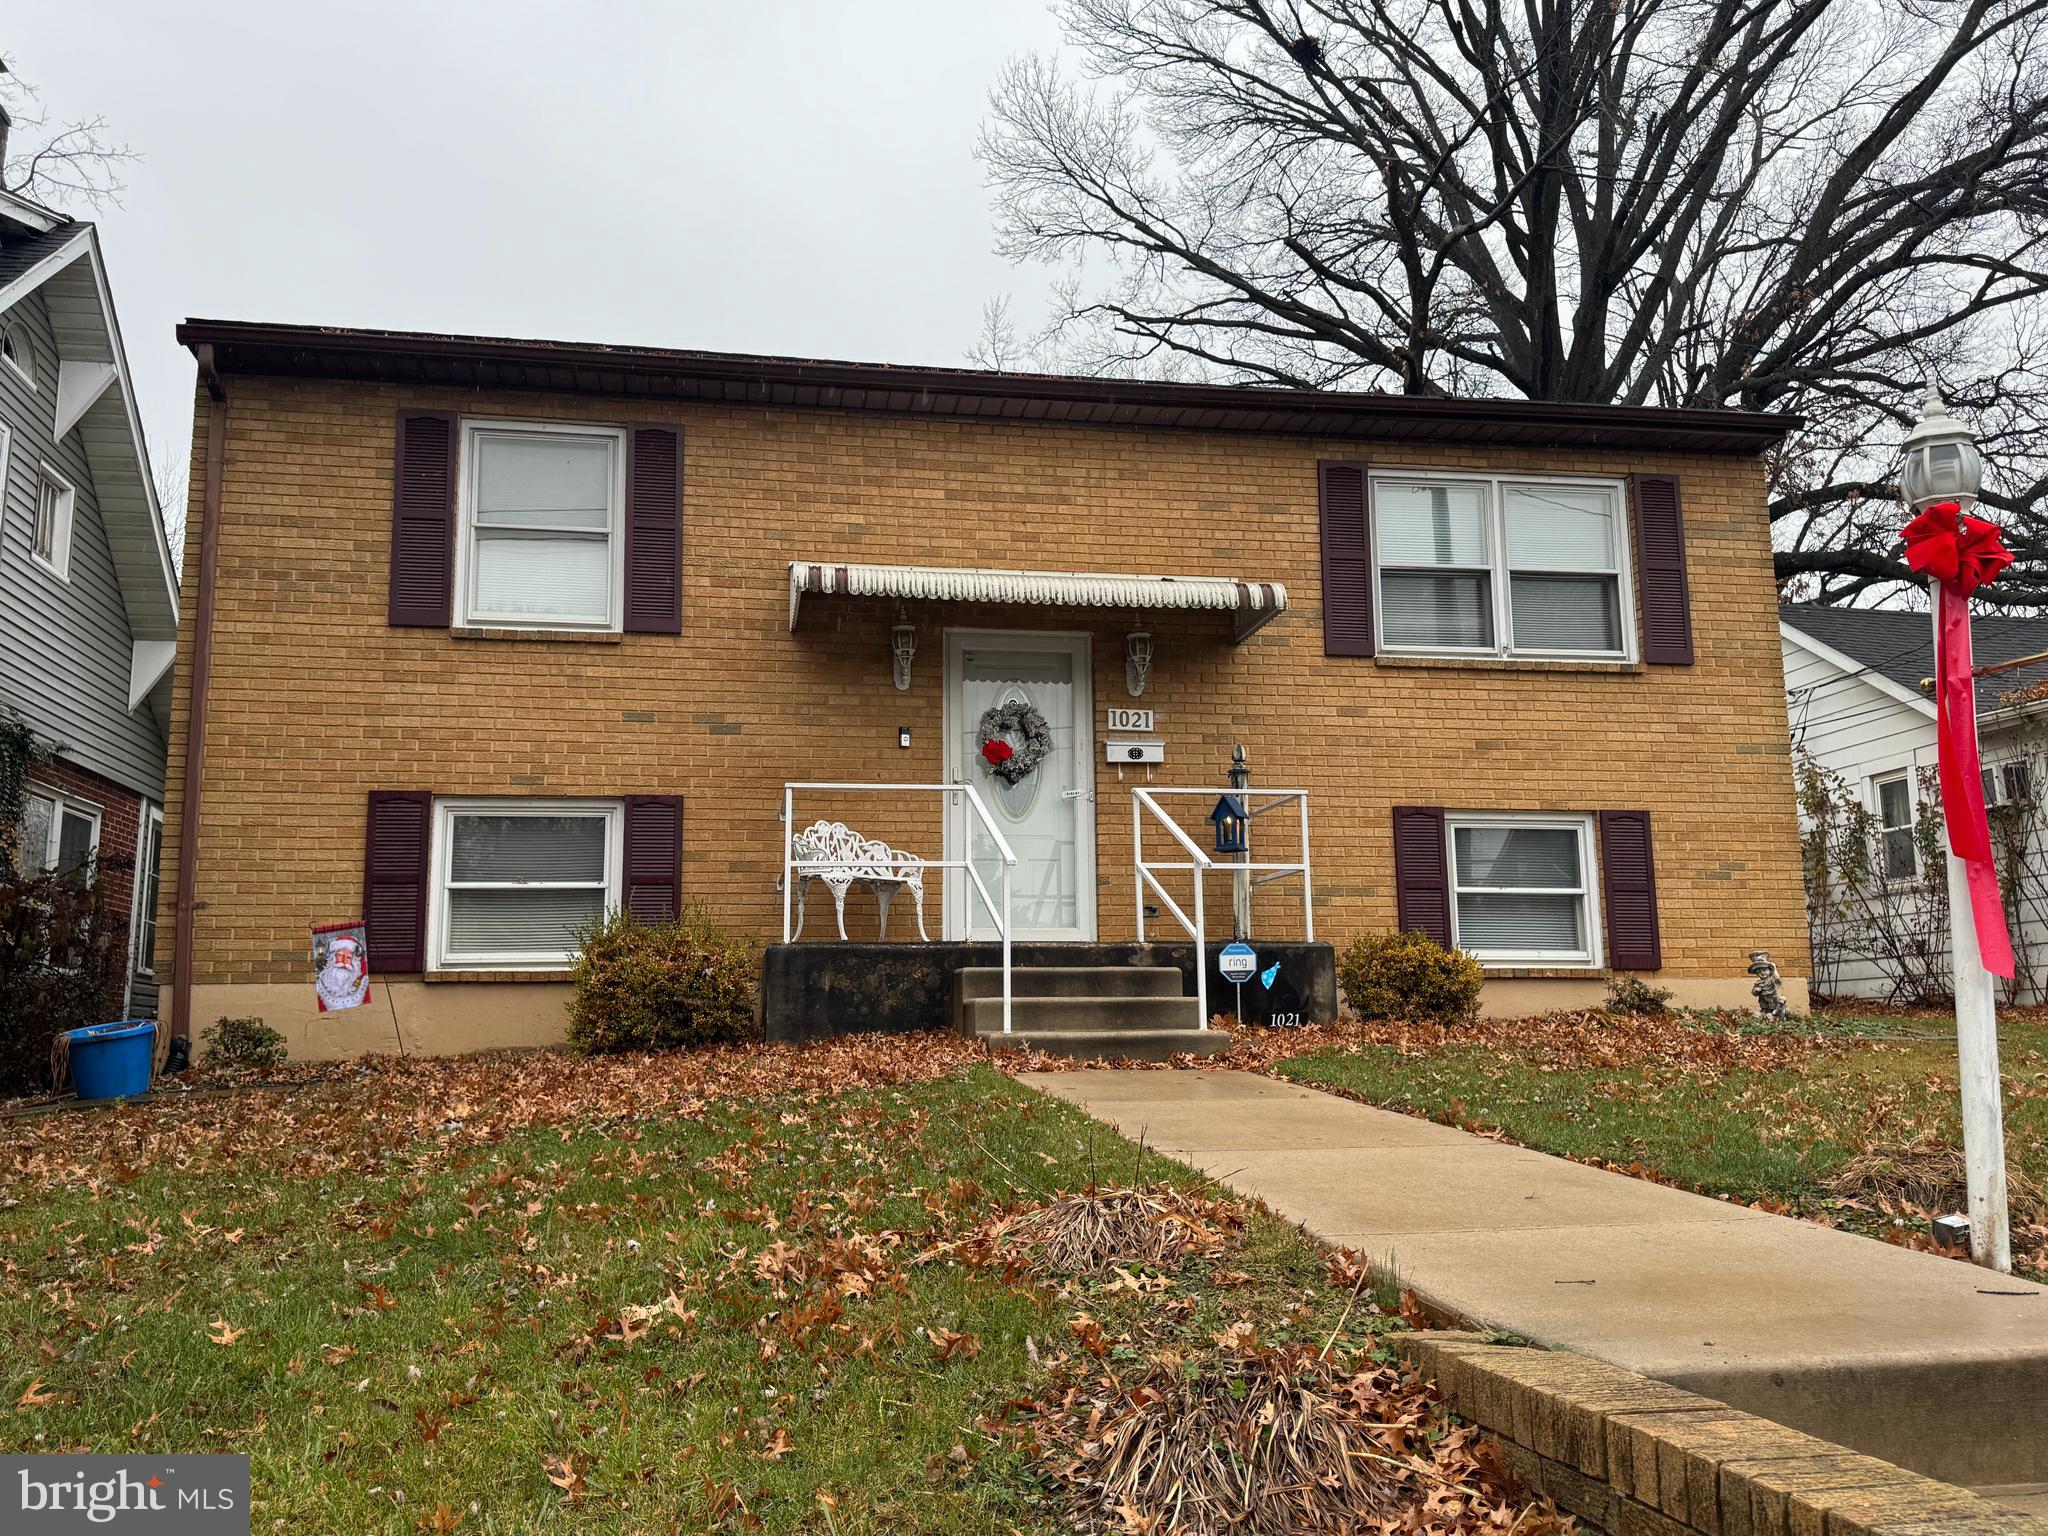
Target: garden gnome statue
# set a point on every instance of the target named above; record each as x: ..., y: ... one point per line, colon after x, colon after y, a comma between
x: 1770, y: 1003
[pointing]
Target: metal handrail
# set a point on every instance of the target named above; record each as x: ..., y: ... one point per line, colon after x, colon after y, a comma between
x: 790, y: 864
x: 1142, y: 801
x: 1275, y: 799
x: 1200, y: 864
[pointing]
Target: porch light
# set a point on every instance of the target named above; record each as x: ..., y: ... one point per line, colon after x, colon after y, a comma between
x: 1941, y: 459
x: 1137, y: 662
x: 902, y: 647
x: 1229, y: 819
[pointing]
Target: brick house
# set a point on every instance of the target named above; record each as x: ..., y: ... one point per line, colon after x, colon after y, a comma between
x: 490, y: 635
x: 88, y: 591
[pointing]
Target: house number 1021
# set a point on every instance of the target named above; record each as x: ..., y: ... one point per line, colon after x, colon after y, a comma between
x: 1130, y: 719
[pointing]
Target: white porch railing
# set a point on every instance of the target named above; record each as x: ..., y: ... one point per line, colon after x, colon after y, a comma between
x: 1198, y: 864
x: 792, y: 866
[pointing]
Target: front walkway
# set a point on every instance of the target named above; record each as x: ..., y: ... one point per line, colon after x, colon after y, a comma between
x: 1933, y: 1364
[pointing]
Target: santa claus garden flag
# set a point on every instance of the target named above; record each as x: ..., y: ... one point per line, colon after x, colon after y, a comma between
x: 341, y: 966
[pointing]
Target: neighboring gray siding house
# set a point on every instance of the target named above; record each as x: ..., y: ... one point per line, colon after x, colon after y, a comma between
x: 88, y: 588
x: 1858, y: 712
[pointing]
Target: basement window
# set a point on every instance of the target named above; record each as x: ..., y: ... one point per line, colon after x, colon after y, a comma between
x: 516, y: 881
x: 1520, y: 889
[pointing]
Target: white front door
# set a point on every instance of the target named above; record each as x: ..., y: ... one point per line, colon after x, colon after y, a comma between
x: 1047, y: 816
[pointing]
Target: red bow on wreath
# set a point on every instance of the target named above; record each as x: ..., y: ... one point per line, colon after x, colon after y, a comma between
x: 997, y: 751
x: 1962, y: 554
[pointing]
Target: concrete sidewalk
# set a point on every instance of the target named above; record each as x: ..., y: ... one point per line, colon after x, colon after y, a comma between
x: 1936, y: 1365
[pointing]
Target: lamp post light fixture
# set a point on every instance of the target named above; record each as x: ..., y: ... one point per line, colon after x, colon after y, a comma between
x: 1941, y: 459
x: 1941, y: 464
x: 1229, y: 819
x: 1240, y: 780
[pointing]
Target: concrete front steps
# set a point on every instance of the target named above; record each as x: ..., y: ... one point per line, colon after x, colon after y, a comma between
x: 1089, y: 1012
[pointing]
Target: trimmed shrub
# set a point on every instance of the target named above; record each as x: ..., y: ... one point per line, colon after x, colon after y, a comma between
x: 242, y: 1043
x: 1634, y: 996
x: 658, y: 986
x: 1409, y: 976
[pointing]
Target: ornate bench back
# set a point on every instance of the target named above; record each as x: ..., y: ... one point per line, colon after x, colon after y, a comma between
x: 862, y: 857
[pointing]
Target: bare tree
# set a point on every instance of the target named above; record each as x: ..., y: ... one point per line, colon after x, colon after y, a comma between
x: 67, y: 164
x: 1797, y: 205
x: 998, y: 345
x: 171, y: 468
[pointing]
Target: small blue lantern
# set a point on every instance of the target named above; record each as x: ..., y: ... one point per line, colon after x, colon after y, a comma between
x: 1229, y: 819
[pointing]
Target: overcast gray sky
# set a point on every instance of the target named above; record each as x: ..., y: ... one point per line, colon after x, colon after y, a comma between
x: 789, y: 176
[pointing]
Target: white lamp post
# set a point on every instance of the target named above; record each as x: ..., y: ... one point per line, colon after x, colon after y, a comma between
x: 1942, y: 464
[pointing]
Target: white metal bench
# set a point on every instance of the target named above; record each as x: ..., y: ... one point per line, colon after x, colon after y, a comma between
x: 842, y: 858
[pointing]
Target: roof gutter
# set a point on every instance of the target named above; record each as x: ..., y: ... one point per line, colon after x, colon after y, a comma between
x: 191, y: 802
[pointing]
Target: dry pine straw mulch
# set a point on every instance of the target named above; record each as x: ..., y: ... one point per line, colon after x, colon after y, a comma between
x: 1272, y: 1442
x: 1241, y: 1438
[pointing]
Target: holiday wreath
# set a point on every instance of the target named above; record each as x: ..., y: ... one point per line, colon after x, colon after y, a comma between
x: 1013, y: 763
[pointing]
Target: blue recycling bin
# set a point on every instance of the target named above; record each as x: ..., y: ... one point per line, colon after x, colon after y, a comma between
x: 112, y: 1061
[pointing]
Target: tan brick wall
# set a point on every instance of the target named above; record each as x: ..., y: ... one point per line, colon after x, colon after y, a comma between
x: 316, y: 701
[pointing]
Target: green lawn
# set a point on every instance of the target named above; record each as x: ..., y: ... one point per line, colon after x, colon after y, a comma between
x: 1763, y: 1115
x: 431, y: 1297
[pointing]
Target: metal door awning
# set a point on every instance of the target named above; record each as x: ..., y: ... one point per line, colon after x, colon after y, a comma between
x: 1254, y: 604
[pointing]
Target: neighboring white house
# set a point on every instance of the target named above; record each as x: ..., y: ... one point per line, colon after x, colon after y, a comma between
x: 1857, y: 708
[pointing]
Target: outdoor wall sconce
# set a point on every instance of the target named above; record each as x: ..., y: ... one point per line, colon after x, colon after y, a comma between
x: 902, y: 646
x: 1137, y: 662
x: 1229, y: 819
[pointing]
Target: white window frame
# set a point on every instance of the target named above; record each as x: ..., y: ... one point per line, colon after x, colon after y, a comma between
x: 1998, y: 779
x: 144, y: 917
x: 58, y: 563
x: 1499, y: 586
x: 439, y: 956
x: 1905, y: 776
x: 60, y: 802
x: 468, y: 468
x: 21, y: 340
x: 1588, y: 890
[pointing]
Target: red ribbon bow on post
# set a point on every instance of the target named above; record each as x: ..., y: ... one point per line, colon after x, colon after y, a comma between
x: 1963, y: 554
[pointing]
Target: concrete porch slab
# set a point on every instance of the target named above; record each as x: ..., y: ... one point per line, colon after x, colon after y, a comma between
x: 1927, y: 1362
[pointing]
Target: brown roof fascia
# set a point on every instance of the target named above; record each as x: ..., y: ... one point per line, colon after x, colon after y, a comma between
x: 738, y: 378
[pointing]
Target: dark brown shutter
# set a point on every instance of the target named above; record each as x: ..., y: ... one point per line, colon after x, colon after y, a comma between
x: 1347, y: 557
x: 1422, y: 873
x: 654, y: 532
x: 654, y: 857
x: 395, y: 879
x: 1628, y: 883
x: 1661, y: 589
x: 423, y: 519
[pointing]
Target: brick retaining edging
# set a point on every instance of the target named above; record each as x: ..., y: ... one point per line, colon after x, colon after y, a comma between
x: 1637, y: 1457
